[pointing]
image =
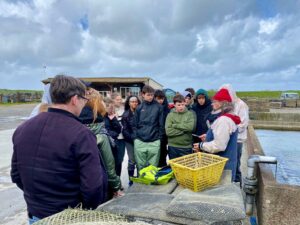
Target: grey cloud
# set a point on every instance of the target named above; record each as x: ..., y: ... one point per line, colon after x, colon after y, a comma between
x: 178, y: 43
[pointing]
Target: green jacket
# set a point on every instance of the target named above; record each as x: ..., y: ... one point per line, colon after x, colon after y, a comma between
x: 103, y: 143
x: 179, y: 128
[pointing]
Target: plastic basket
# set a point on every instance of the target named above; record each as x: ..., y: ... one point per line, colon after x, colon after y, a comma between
x: 198, y: 171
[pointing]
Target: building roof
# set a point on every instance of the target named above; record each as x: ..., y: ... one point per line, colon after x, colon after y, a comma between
x: 111, y: 80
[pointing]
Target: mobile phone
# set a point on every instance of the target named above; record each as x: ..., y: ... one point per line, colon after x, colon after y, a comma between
x: 195, y: 135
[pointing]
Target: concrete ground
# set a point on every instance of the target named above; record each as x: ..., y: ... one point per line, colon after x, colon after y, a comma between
x: 13, y: 206
x: 12, y: 116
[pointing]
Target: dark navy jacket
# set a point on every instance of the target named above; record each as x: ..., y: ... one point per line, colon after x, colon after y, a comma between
x: 113, y: 127
x: 202, y: 113
x: 56, y: 163
x: 127, y: 123
x: 148, y: 123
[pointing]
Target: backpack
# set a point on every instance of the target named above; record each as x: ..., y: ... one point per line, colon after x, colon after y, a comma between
x: 154, y: 175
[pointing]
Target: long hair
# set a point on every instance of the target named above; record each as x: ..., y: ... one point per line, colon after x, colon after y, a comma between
x: 126, y: 105
x: 95, y: 103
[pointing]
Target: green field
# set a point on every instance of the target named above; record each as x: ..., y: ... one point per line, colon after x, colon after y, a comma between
x: 7, y: 91
x: 257, y: 94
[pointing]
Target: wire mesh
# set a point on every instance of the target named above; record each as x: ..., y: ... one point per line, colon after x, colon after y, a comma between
x: 86, y: 217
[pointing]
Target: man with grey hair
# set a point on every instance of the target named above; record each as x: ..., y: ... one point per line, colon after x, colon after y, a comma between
x: 56, y: 160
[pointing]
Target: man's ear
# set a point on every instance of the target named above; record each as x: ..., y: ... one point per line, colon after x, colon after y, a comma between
x: 74, y: 100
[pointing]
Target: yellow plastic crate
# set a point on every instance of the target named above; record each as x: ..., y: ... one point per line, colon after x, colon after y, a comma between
x: 198, y: 171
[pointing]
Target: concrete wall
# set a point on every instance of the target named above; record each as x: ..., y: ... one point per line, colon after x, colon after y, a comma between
x: 258, y: 105
x: 265, y: 104
x: 277, y: 204
x: 275, y: 121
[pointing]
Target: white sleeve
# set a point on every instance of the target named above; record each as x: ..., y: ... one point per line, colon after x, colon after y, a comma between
x: 35, y: 111
x: 222, y: 130
x: 243, y: 113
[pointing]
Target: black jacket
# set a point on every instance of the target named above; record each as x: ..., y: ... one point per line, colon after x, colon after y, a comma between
x: 166, y: 109
x: 87, y: 116
x: 127, y: 123
x: 56, y: 163
x: 202, y: 113
x: 113, y: 127
x: 148, y: 123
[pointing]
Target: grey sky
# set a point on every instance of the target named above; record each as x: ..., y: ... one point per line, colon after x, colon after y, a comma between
x: 254, y: 45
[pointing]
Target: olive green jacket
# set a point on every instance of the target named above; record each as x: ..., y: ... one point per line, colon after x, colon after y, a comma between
x: 179, y: 128
x: 107, y: 155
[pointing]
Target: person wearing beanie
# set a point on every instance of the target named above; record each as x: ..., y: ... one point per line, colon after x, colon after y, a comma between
x: 202, y: 107
x: 242, y: 110
x: 221, y: 137
x: 188, y: 99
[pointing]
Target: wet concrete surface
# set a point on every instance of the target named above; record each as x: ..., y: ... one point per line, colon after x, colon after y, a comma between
x: 14, y: 115
x: 13, y: 206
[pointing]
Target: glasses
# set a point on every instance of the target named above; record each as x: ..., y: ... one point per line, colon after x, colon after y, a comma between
x: 84, y: 98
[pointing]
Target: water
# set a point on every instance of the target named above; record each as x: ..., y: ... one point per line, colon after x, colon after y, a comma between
x: 285, y: 145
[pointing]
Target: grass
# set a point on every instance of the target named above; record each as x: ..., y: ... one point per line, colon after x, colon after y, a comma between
x: 257, y: 94
x: 7, y: 91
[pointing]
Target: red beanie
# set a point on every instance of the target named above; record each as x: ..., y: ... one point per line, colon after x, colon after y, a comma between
x: 222, y: 95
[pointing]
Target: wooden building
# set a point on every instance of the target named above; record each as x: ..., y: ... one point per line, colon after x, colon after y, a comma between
x: 123, y: 85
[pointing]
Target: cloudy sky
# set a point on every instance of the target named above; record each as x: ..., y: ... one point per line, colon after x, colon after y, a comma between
x: 252, y: 44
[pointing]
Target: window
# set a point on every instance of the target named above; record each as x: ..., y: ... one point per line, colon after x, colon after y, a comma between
x: 125, y: 91
x: 104, y: 93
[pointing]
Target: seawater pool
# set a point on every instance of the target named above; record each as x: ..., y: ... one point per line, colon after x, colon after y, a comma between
x: 285, y: 146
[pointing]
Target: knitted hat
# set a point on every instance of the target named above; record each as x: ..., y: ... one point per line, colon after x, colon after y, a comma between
x: 222, y: 95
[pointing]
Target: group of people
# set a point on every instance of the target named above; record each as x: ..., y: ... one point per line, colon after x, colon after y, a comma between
x: 72, y: 148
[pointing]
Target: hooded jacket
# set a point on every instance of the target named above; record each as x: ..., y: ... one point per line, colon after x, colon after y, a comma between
x: 202, y: 112
x: 240, y: 109
x: 104, y: 142
x: 148, y: 123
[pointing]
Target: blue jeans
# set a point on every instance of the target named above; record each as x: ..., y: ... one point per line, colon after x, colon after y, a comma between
x: 33, y: 220
x: 175, y: 152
